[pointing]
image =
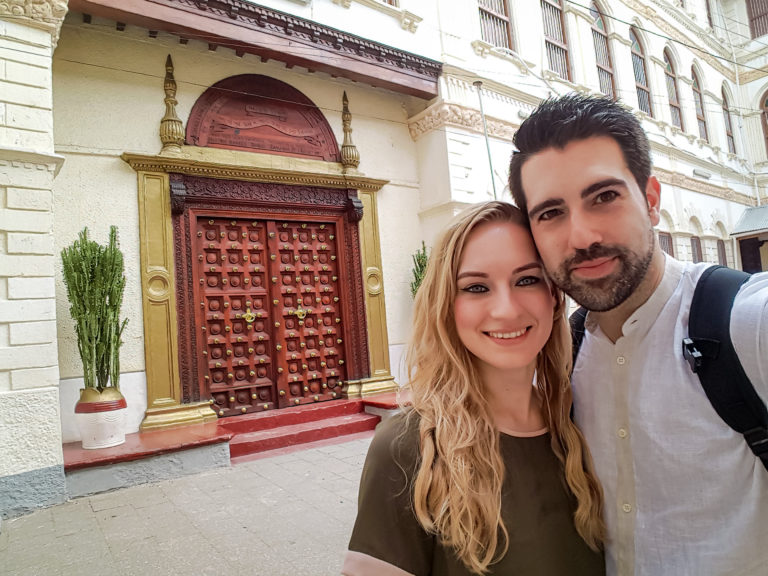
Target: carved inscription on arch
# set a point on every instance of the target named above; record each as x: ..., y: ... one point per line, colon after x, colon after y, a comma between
x: 261, y: 114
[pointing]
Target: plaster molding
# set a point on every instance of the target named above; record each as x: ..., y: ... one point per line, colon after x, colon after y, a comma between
x: 226, y: 164
x: 443, y: 114
x: 49, y: 11
x: 45, y: 14
x: 676, y: 179
x: 616, y: 37
x: 484, y: 49
x: 408, y: 20
x: 579, y: 11
x: 752, y: 76
x: 18, y: 158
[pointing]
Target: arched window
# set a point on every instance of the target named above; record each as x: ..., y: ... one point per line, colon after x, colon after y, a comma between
x: 699, y: 101
x: 696, y: 249
x: 495, y: 23
x: 728, y: 124
x: 602, y: 53
x: 665, y: 242
x: 721, y: 257
x: 641, y: 76
x: 674, y: 95
x: 757, y: 11
x: 555, y: 39
x: 765, y: 119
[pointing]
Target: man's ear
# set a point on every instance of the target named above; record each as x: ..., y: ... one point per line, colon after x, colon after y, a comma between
x: 653, y: 200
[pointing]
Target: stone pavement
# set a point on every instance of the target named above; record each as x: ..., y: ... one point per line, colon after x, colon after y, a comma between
x: 288, y: 514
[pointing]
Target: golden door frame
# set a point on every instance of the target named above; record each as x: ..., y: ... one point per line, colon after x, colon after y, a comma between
x: 164, y: 398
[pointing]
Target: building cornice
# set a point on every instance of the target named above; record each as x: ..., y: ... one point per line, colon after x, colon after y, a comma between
x: 279, y: 36
x: 680, y: 180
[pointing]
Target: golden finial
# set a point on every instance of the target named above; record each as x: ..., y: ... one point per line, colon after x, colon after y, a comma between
x: 350, y: 157
x: 171, y: 126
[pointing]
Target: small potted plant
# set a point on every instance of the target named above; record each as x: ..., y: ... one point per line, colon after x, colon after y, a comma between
x: 420, y: 259
x: 95, y: 281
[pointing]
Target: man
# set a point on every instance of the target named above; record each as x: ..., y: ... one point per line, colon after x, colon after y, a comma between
x: 684, y: 494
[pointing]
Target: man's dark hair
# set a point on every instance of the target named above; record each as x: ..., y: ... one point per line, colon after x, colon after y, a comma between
x: 559, y: 121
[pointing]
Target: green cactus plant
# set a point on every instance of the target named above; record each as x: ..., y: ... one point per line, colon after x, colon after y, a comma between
x: 95, y: 282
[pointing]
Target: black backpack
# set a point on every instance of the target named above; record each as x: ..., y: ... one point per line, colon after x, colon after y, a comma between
x: 710, y: 353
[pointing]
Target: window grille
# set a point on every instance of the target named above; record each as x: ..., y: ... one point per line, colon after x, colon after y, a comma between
x: 641, y: 76
x: 674, y: 96
x: 699, y: 101
x: 665, y: 242
x: 602, y: 53
x: 696, y: 249
x: 495, y: 23
x: 765, y: 120
x: 554, y: 38
x: 728, y: 124
x: 757, y: 11
x: 721, y: 258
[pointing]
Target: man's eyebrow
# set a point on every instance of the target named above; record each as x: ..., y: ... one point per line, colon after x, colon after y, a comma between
x: 546, y: 205
x: 608, y: 182
x: 591, y: 189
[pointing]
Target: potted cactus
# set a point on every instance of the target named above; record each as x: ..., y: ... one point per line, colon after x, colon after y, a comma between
x: 95, y: 281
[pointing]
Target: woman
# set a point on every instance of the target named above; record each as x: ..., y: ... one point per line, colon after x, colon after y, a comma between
x: 485, y: 473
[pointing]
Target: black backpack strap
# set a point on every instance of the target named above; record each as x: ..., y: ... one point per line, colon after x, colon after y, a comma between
x: 710, y: 352
x: 577, y: 321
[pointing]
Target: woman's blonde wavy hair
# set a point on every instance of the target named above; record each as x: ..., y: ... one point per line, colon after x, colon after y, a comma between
x: 457, y: 488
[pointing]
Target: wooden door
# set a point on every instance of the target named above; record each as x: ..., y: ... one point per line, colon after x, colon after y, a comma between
x: 269, y: 321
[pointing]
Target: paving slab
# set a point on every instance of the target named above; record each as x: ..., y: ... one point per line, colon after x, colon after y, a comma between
x: 264, y: 517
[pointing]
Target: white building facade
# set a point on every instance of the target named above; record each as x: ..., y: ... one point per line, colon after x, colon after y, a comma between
x: 436, y: 91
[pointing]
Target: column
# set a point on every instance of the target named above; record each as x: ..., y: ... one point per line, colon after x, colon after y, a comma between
x: 31, y: 467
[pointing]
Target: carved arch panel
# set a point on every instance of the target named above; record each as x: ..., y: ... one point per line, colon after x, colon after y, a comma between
x: 258, y: 113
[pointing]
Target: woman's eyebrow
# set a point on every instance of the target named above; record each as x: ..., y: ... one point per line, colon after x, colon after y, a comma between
x: 473, y: 274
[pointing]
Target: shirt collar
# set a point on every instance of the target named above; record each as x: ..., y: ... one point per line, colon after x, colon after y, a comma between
x: 641, y: 319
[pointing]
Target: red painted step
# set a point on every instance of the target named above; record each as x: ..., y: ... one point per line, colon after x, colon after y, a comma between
x: 299, y: 433
x: 290, y: 416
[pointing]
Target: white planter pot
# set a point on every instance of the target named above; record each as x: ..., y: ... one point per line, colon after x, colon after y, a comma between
x: 100, y: 417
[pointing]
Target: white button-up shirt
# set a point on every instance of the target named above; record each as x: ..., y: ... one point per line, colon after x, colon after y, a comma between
x: 684, y: 494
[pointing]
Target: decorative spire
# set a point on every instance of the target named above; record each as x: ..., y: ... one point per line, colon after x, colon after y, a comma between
x: 171, y: 126
x: 350, y: 157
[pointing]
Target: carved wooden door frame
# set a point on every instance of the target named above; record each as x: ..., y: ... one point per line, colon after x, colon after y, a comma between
x: 165, y: 402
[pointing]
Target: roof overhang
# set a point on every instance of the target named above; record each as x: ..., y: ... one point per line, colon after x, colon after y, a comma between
x: 249, y: 28
x: 753, y: 222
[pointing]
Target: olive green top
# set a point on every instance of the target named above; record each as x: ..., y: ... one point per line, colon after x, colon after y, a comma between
x: 537, y: 510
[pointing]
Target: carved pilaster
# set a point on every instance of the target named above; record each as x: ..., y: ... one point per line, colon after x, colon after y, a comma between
x: 171, y: 126
x: 350, y: 157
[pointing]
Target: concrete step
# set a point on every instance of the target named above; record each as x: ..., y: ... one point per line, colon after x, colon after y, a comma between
x: 290, y: 416
x: 299, y: 433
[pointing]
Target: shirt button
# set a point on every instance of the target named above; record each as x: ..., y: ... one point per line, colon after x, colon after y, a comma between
x: 626, y: 508
x: 620, y: 360
x: 622, y: 433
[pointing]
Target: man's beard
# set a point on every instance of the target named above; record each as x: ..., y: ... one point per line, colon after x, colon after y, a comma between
x: 602, y: 294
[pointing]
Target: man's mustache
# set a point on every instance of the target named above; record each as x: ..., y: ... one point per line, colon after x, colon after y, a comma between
x: 593, y: 252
